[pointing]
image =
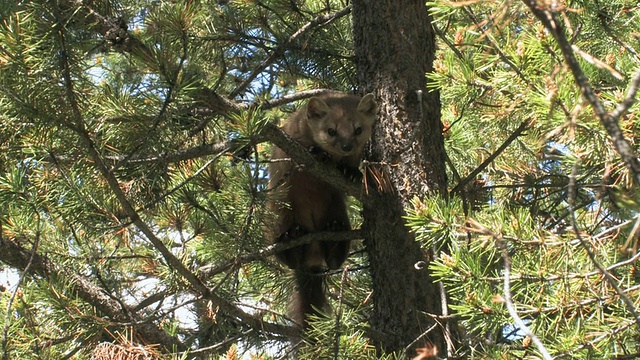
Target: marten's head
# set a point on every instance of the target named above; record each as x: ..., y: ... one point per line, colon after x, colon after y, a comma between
x: 341, y: 124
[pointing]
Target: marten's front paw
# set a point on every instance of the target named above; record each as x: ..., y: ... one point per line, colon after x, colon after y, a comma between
x: 319, y: 154
x: 294, y: 257
x: 295, y: 231
x: 351, y: 173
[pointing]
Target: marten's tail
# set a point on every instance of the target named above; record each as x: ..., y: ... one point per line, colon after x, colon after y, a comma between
x: 309, y: 297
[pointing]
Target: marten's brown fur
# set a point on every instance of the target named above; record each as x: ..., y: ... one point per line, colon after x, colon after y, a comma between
x: 335, y: 128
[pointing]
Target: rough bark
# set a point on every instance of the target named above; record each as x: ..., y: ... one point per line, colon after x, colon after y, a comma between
x: 394, y: 44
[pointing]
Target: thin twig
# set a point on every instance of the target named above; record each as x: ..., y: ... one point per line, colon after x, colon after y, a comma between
x: 508, y: 299
x: 320, y: 20
x: 607, y: 275
x: 336, y: 340
x: 214, y: 347
x: 518, y: 132
x: 425, y: 333
x: 497, y: 48
x: 181, y: 184
x: 541, y: 279
x: 578, y: 305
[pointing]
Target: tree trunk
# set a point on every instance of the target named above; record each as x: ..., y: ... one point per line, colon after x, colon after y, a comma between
x: 394, y: 46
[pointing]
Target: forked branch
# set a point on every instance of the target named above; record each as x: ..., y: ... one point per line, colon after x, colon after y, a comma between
x: 546, y: 13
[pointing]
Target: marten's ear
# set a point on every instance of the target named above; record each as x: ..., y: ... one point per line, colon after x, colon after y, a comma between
x: 317, y: 109
x: 367, y: 105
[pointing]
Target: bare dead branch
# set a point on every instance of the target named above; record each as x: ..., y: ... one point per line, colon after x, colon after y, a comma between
x: 270, y: 104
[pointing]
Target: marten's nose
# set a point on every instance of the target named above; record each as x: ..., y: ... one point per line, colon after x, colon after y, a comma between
x: 347, y: 147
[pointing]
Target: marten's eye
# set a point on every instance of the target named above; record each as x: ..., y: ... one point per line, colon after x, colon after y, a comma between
x: 331, y: 132
x: 358, y: 131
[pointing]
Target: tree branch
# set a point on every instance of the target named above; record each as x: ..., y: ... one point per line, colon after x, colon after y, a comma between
x: 305, y: 160
x: 13, y: 253
x: 281, y: 49
x: 209, y: 271
x: 609, y: 121
x: 462, y: 183
x: 629, y: 99
x: 272, y: 103
x: 222, y: 105
x: 219, y: 105
x: 7, y: 319
x: 196, y: 283
x: 508, y: 299
x: 607, y: 275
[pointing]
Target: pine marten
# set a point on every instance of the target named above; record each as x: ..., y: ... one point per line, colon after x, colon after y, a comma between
x: 335, y: 128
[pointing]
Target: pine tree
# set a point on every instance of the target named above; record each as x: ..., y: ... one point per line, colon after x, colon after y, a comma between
x: 540, y: 230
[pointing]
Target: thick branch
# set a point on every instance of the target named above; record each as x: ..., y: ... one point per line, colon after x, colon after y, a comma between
x: 304, y: 159
x: 13, y: 253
